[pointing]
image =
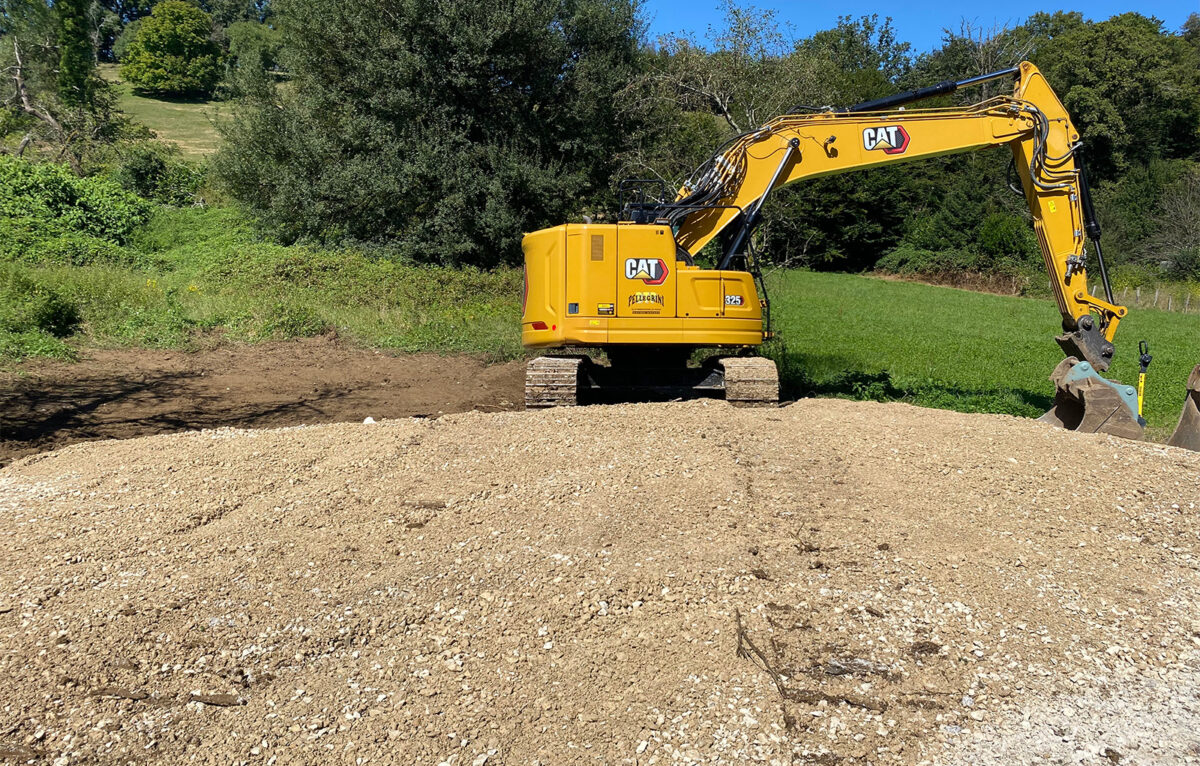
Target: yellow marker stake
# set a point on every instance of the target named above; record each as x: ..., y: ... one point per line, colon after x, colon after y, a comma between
x: 1143, y: 364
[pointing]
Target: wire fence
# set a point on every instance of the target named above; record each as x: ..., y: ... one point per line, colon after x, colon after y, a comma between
x: 1184, y: 299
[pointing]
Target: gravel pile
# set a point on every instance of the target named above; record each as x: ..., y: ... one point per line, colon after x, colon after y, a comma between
x: 829, y: 582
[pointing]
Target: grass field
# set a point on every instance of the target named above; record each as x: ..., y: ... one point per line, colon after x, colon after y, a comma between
x: 203, y: 276
x: 862, y: 337
x: 187, y: 123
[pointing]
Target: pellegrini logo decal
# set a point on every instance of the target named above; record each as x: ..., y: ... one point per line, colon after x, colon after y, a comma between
x: 891, y: 139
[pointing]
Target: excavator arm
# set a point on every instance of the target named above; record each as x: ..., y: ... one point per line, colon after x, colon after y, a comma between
x: 726, y: 193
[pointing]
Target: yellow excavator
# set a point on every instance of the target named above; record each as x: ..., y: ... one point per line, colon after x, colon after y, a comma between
x: 635, y: 290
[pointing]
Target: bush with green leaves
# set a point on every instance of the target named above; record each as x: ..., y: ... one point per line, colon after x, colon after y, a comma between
x: 47, y: 192
x: 915, y: 261
x: 154, y: 170
x: 34, y: 317
x: 445, y: 133
x: 172, y: 52
x: 27, y: 305
x: 50, y: 215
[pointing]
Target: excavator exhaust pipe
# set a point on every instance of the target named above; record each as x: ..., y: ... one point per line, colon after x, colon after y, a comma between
x: 1187, y: 433
x: 1084, y: 401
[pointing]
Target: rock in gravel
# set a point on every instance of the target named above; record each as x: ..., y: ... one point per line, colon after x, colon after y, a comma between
x: 828, y: 582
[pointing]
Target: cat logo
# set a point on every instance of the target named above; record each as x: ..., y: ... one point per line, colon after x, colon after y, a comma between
x: 892, y: 139
x: 637, y: 298
x: 652, y: 271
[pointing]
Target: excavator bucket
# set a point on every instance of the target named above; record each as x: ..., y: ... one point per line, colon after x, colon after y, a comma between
x: 1187, y: 433
x: 1085, y: 401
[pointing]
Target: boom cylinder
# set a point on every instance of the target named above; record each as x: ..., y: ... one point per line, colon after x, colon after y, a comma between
x: 941, y: 89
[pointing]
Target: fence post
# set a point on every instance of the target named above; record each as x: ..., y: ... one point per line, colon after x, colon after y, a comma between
x: 1156, y: 297
x: 1170, y: 301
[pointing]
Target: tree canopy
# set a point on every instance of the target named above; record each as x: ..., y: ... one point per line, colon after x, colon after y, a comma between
x: 444, y: 129
x: 172, y: 51
x: 445, y: 132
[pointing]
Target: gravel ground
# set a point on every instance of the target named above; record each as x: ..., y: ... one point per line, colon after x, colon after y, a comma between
x: 827, y: 583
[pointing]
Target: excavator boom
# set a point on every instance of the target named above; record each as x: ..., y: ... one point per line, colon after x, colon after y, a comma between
x: 726, y: 193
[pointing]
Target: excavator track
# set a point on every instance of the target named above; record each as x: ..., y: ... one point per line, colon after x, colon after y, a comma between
x: 561, y: 381
x: 552, y: 381
x: 751, y: 381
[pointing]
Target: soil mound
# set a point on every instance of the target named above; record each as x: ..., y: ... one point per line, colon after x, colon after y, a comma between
x: 829, y: 582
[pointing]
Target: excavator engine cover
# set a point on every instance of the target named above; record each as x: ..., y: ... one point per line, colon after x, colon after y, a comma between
x: 1085, y: 401
x: 1187, y: 433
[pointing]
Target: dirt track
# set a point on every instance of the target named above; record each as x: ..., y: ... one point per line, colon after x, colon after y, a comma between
x: 122, y: 394
x: 830, y: 582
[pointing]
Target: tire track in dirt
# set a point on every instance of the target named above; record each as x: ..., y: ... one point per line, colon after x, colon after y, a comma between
x: 584, y: 585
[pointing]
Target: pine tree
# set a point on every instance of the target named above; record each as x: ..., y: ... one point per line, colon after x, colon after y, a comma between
x: 77, y: 62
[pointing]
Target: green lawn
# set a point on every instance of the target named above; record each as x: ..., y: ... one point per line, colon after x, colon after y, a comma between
x: 188, y: 123
x: 863, y: 337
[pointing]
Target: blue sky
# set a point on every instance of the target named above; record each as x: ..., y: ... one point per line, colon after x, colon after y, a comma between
x: 920, y: 22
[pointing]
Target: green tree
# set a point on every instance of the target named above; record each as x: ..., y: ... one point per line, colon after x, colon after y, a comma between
x: 173, y: 51
x: 1191, y: 29
x: 747, y: 78
x: 77, y: 62
x: 50, y: 99
x: 864, y: 58
x: 226, y: 13
x: 253, y: 44
x: 444, y: 133
x: 120, y: 45
x: 1132, y: 89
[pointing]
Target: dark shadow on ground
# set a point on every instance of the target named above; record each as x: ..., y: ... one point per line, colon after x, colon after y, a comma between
x: 798, y: 380
x: 193, y: 99
x: 36, y: 415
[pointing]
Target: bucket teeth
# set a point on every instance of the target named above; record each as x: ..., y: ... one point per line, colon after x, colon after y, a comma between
x: 1084, y: 401
x: 1187, y: 433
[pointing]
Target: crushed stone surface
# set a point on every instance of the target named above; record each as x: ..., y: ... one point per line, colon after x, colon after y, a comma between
x: 825, y: 583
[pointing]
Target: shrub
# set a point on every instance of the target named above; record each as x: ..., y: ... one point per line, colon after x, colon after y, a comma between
x: 291, y: 321
x: 1008, y: 238
x: 907, y: 259
x: 55, y: 198
x: 27, y: 306
x: 172, y: 52
x: 27, y: 240
x: 154, y: 171
x: 443, y: 134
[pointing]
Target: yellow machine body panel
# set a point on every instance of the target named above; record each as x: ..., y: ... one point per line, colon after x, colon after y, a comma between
x: 607, y: 284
